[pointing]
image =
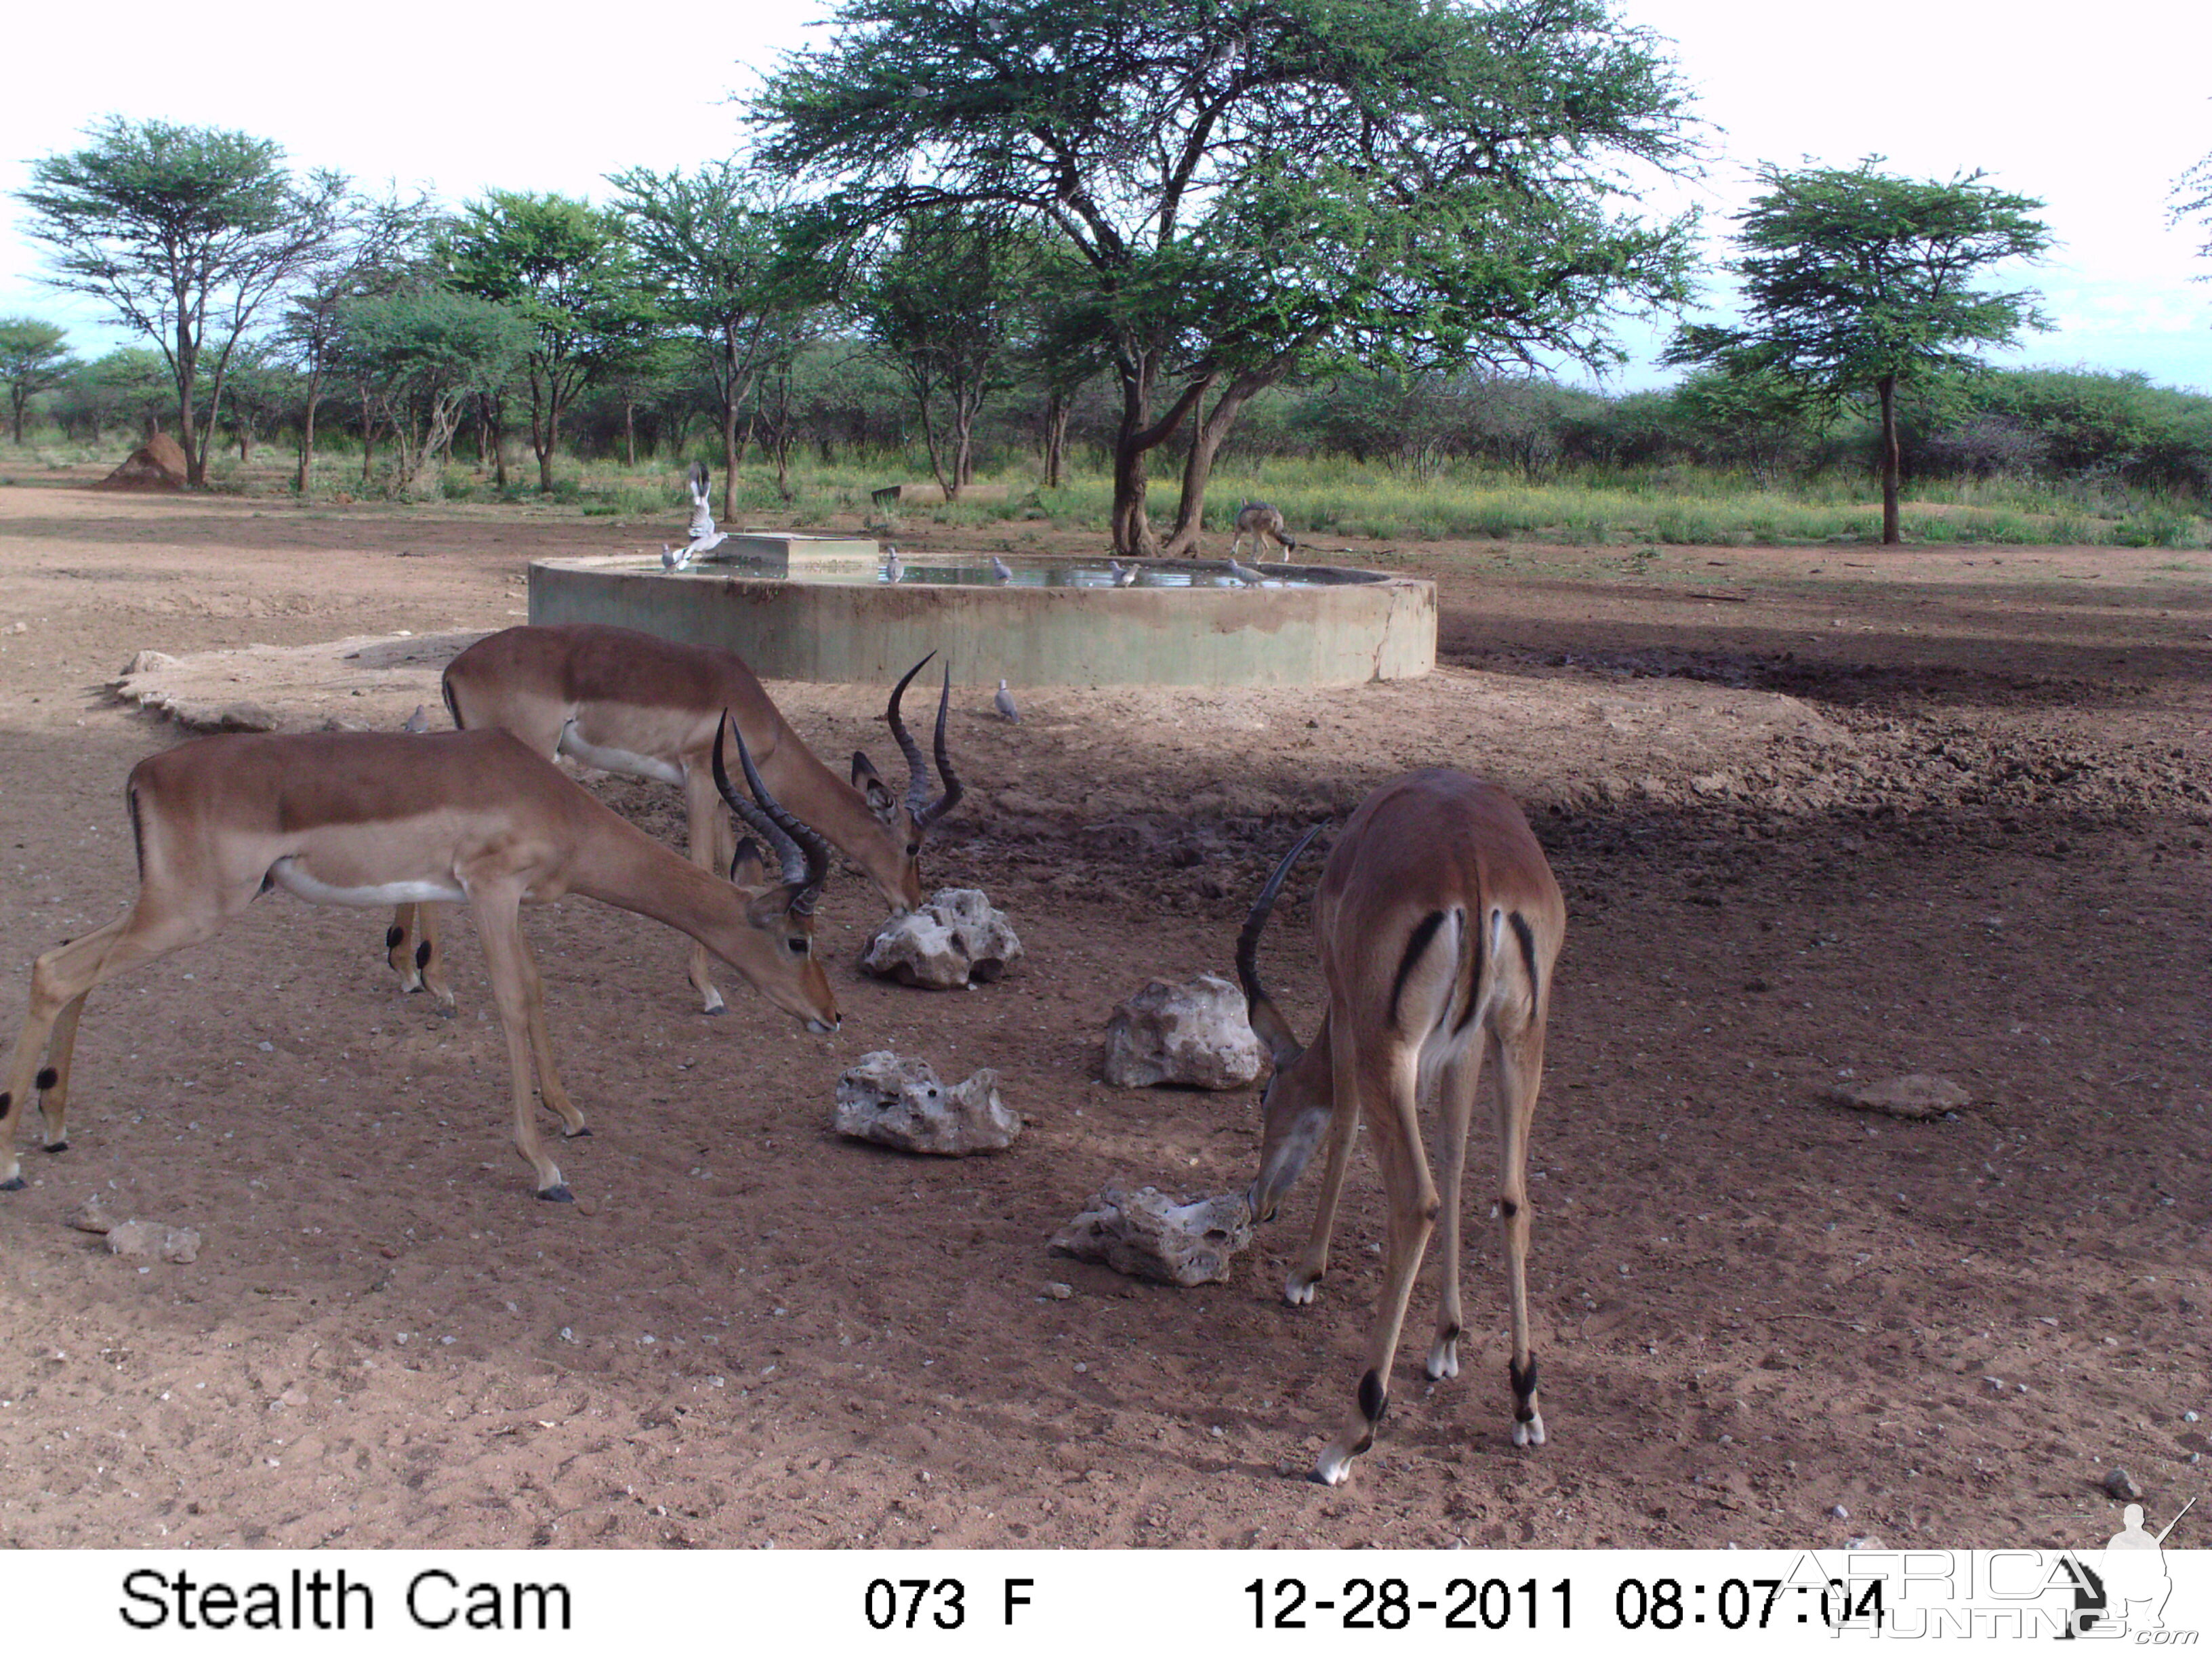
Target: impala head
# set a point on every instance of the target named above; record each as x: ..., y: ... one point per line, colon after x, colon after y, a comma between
x: 775, y: 948
x: 1295, y: 1106
x: 897, y: 867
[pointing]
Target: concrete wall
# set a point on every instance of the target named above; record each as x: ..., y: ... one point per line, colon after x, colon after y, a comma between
x: 1344, y: 634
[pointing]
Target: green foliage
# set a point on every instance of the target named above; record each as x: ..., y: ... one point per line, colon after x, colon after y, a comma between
x: 1855, y: 282
x: 33, y: 359
x: 126, y: 387
x: 179, y: 230
x: 420, y: 357
x: 566, y: 269
x: 1252, y: 189
x: 1852, y: 276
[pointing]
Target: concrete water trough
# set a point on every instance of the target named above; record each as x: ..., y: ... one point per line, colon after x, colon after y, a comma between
x: 836, y: 617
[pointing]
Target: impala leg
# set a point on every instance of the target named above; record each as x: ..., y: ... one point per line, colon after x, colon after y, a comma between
x: 53, y: 1082
x: 431, y: 958
x: 1521, y: 1073
x: 550, y: 1088
x: 1455, y: 1091
x: 1343, y: 1128
x: 712, y: 843
x: 499, y: 920
x: 399, y: 946
x: 60, y: 982
x: 1396, y: 1131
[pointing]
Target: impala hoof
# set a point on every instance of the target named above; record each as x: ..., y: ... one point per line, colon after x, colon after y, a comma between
x: 576, y: 1134
x: 1530, y: 1433
x: 1331, y: 1471
x: 53, y: 1146
x: 1298, y: 1289
x: 14, y: 1186
x: 557, y: 1195
x: 1443, y: 1359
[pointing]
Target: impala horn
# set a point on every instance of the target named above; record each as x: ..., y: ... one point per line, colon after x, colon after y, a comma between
x: 1267, y: 1024
x: 923, y: 811
x: 803, y: 854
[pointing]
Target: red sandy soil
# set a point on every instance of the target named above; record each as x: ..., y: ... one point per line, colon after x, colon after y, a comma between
x: 1821, y: 815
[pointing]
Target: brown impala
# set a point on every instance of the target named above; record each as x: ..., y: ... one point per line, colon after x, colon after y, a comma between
x: 374, y: 819
x: 630, y: 703
x: 1438, y: 922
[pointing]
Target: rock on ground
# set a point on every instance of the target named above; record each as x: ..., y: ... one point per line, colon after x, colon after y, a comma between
x: 1147, y: 1235
x: 901, y: 1103
x: 153, y: 1239
x: 1194, y: 1033
x: 955, y: 941
x: 1912, y: 1096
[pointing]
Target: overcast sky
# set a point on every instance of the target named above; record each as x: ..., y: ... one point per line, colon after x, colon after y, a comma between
x: 2096, y: 115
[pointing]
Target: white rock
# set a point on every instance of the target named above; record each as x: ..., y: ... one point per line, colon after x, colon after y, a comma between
x: 153, y: 1239
x: 955, y: 941
x: 901, y: 1103
x: 1194, y: 1033
x: 1147, y: 1235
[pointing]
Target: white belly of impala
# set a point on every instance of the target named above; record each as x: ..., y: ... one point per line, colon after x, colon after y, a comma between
x: 618, y: 760
x: 288, y: 875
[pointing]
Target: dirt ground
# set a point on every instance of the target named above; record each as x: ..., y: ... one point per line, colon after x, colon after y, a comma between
x: 1821, y: 815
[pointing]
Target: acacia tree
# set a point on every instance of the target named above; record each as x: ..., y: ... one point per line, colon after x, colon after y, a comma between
x: 719, y: 245
x: 186, y: 232
x: 2192, y: 199
x: 1262, y: 186
x: 33, y: 359
x: 946, y: 306
x: 1856, y: 281
x: 376, y: 243
x: 563, y: 266
x: 421, y: 358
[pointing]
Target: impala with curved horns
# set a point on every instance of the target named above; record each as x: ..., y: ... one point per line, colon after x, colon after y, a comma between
x: 370, y: 818
x: 1436, y: 923
x: 647, y: 707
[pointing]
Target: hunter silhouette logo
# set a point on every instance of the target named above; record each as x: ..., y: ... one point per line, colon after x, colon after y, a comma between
x: 2128, y: 1590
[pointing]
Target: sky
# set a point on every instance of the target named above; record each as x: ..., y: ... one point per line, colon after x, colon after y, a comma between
x: 2095, y: 112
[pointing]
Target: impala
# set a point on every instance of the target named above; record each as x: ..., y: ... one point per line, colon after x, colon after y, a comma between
x: 1436, y: 922
x: 370, y: 818
x: 630, y: 703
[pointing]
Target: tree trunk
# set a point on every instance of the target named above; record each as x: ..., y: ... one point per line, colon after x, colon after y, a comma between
x: 1892, y: 535
x: 1205, y: 444
x: 1055, y: 437
x: 187, y: 366
x: 731, y: 445
x: 495, y: 429
x: 1134, y: 439
x: 629, y: 433
x: 18, y: 396
x: 305, y: 474
x: 950, y: 486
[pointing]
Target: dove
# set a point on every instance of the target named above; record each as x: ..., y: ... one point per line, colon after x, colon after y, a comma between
x: 1005, y: 704
x: 419, y: 721
x: 1126, y: 575
x: 1000, y: 571
x: 1243, y: 573
x: 894, y: 567
x: 674, y: 558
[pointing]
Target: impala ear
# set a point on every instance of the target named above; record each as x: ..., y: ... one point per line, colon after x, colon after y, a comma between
x: 773, y: 908
x: 881, y: 801
x: 749, y: 867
